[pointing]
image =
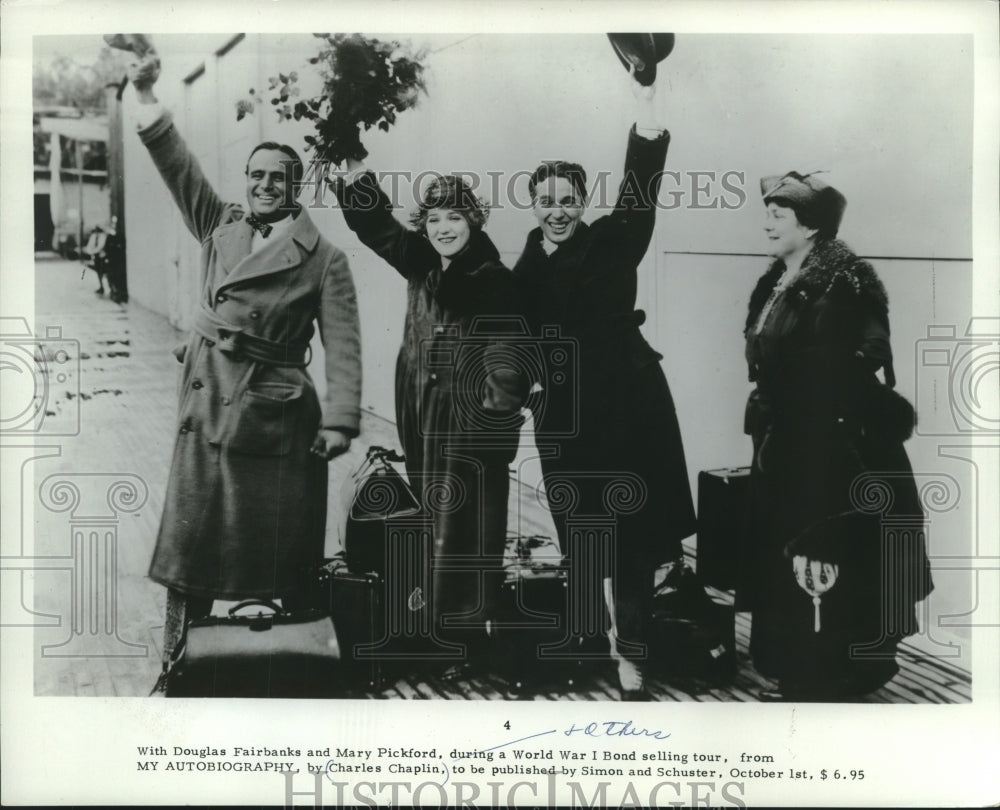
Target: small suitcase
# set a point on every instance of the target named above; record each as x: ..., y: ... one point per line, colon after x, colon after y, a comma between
x: 722, y: 509
x: 355, y: 603
x: 692, y: 634
x: 384, y: 623
x: 533, y: 643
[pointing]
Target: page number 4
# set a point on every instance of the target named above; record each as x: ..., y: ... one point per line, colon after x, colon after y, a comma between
x: 507, y: 725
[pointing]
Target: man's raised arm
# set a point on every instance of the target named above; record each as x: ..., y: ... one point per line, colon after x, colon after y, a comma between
x: 199, y: 205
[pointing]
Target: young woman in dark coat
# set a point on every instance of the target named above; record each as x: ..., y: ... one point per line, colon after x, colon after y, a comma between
x: 827, y: 435
x: 616, y: 420
x: 457, y: 401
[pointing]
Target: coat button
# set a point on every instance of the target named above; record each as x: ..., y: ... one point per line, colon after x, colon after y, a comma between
x: 255, y: 315
x: 197, y: 385
x: 434, y: 376
x: 221, y: 298
x: 225, y: 400
x: 210, y: 343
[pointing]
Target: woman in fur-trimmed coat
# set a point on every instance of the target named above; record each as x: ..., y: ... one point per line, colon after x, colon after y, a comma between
x: 817, y: 331
x: 458, y: 397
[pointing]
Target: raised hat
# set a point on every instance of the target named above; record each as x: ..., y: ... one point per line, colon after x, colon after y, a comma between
x: 644, y: 51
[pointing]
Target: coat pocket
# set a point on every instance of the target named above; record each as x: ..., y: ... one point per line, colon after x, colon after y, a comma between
x: 267, y: 419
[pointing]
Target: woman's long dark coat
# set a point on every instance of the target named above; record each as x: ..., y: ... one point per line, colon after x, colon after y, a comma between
x: 617, y: 414
x: 819, y: 418
x: 457, y: 401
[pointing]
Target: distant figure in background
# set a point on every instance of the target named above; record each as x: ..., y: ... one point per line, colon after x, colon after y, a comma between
x: 114, y: 264
x: 583, y: 279
x: 106, y: 255
x: 95, y: 255
x: 817, y: 578
x: 245, y: 508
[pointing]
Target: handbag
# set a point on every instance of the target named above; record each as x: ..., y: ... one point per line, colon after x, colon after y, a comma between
x: 276, y: 654
x: 692, y: 634
x: 378, y: 493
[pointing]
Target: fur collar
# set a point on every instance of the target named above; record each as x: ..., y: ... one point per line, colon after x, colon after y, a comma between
x: 469, y: 279
x: 830, y: 267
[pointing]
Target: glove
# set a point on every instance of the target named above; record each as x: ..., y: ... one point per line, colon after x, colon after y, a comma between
x: 144, y: 71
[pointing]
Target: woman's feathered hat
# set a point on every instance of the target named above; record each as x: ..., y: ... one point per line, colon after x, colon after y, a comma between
x: 818, y: 204
x: 451, y: 191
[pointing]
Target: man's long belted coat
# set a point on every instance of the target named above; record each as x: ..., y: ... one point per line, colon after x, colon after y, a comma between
x: 245, y: 507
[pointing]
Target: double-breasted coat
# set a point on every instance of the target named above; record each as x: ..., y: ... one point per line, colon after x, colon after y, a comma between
x: 457, y: 399
x: 245, y: 506
x: 618, y: 415
x: 823, y: 425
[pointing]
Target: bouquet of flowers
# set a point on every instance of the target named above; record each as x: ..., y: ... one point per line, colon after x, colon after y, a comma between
x: 366, y: 83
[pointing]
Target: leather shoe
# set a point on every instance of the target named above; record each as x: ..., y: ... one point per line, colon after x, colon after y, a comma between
x: 636, y: 695
x: 459, y: 672
x: 772, y: 696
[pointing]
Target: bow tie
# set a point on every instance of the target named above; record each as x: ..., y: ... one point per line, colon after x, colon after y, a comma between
x: 257, y: 225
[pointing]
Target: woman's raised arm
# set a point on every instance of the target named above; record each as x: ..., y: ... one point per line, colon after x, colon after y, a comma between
x: 368, y: 212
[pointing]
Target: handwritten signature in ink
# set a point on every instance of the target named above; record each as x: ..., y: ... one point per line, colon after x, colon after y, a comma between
x: 614, y: 728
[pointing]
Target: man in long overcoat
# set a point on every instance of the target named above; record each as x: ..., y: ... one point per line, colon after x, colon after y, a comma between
x: 245, y: 508
x: 614, y: 427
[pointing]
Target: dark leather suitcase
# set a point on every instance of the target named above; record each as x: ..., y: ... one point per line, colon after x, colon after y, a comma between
x: 276, y: 654
x: 692, y: 634
x: 722, y: 508
x: 355, y: 603
x: 384, y: 623
x: 534, y: 643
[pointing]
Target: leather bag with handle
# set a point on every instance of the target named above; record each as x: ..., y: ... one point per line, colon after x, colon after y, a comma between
x: 692, y: 634
x: 276, y: 654
x: 377, y: 493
